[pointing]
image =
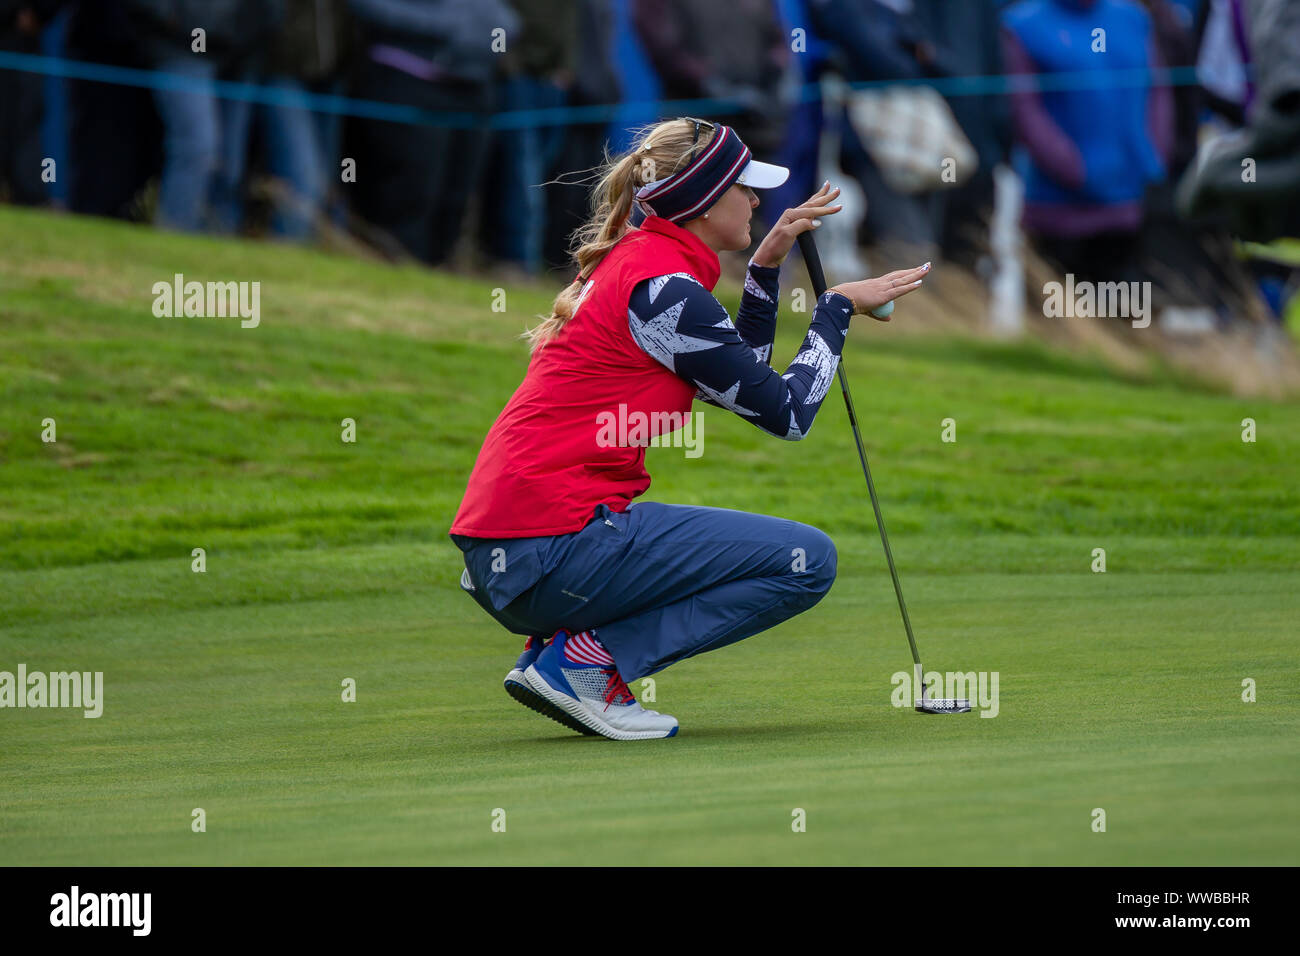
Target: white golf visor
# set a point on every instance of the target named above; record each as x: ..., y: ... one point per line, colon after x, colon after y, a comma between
x: 758, y: 175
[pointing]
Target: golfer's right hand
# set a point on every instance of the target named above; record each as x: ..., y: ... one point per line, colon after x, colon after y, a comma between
x: 868, y: 294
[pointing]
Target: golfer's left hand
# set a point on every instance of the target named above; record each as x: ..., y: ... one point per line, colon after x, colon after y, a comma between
x: 776, y: 244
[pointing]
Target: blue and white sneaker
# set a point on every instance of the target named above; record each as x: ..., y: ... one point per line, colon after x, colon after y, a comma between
x: 517, y: 687
x: 532, y: 648
x: 575, y: 674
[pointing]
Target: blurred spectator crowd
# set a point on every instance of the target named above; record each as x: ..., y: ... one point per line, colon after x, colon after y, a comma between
x: 269, y: 128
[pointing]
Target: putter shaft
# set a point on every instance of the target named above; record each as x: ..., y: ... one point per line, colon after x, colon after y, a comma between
x: 814, y: 263
x: 880, y: 519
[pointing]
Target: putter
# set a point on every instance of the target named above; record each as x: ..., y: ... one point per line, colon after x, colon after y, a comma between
x: 932, y: 705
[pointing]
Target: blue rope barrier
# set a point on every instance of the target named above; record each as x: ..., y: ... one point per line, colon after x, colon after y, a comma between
x: 991, y: 85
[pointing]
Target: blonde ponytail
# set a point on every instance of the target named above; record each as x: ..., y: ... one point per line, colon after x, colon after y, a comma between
x: 658, y: 152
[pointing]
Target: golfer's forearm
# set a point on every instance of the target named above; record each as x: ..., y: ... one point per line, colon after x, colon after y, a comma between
x: 781, y: 405
x: 680, y: 324
x: 756, y: 317
x: 808, y: 377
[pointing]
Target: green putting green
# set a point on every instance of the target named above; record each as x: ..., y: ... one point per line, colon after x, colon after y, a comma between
x: 327, y: 560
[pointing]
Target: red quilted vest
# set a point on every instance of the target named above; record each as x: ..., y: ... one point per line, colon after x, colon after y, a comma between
x: 544, y: 466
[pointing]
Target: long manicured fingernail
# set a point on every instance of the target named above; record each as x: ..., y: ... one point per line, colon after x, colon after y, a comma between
x: 927, y: 266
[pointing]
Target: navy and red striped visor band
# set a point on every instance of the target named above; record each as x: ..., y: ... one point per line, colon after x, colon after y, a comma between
x: 690, y: 192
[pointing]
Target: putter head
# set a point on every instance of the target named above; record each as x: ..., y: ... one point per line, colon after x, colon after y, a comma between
x: 938, y: 705
x: 943, y: 705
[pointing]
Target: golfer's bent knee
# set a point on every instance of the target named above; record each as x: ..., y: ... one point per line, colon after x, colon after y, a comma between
x: 820, y: 556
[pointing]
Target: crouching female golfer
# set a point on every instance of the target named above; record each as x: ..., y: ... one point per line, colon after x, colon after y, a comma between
x: 608, y: 591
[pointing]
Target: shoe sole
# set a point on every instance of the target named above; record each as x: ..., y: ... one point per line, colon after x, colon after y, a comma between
x: 575, y: 710
x: 518, y: 689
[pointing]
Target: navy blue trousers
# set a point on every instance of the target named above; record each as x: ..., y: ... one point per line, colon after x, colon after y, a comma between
x: 659, y: 583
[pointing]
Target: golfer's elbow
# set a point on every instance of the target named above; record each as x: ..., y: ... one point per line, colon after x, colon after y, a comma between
x: 791, y: 430
x: 794, y: 431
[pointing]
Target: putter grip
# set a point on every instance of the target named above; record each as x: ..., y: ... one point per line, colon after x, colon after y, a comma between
x: 814, y: 263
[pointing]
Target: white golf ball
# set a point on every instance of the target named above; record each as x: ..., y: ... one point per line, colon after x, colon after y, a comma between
x: 883, y: 311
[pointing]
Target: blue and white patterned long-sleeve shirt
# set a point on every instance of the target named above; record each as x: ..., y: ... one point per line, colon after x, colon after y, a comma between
x: 679, y: 323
